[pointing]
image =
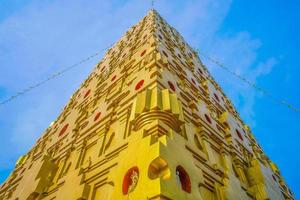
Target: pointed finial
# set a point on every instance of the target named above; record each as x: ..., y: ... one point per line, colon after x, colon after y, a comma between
x: 152, y: 4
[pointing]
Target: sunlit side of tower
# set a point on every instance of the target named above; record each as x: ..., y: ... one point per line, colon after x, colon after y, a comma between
x: 149, y: 123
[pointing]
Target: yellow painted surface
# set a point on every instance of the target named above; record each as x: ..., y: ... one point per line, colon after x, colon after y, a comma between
x: 149, y: 123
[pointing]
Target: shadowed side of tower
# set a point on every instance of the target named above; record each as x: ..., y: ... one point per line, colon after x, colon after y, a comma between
x: 148, y: 123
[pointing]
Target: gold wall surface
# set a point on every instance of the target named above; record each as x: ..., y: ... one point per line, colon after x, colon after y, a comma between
x: 149, y: 123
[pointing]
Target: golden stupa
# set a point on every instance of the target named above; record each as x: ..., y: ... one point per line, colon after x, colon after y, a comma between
x: 149, y: 123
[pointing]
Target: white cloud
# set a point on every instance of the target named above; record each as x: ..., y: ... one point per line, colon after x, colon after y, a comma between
x: 239, y: 53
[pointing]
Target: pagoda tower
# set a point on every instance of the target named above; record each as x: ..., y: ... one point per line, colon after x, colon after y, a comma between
x: 149, y: 123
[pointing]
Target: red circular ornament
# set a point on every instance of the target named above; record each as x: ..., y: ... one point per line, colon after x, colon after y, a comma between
x: 207, y: 118
x: 87, y: 93
x: 63, y: 130
x: 200, y: 71
x: 113, y: 78
x: 143, y: 53
x: 128, y: 179
x: 193, y: 81
x: 216, y: 97
x: 184, y: 179
x: 239, y: 134
x: 97, y: 116
x: 139, y: 85
x: 171, y: 85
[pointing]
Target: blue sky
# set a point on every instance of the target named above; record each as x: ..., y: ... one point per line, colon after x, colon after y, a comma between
x: 257, y: 39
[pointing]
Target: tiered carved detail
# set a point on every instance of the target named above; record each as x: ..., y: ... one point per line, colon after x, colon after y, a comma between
x: 156, y: 104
